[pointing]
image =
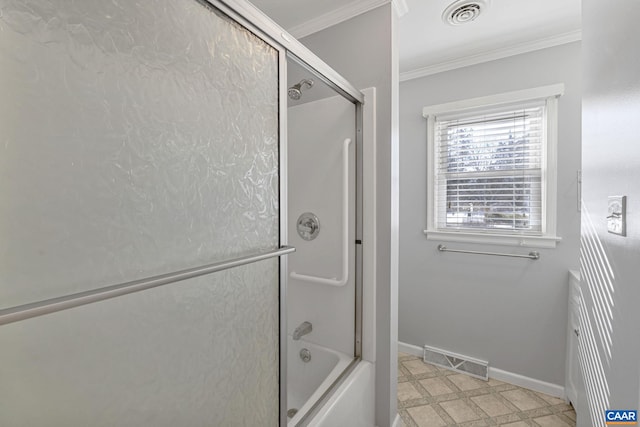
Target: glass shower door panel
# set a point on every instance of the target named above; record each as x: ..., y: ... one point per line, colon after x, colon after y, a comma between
x: 197, y: 353
x: 136, y: 138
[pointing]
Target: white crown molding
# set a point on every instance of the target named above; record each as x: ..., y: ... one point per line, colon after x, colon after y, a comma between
x: 492, y: 55
x: 336, y: 16
x: 401, y: 7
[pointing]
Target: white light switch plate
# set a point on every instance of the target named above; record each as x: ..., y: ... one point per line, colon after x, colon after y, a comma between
x: 617, y: 215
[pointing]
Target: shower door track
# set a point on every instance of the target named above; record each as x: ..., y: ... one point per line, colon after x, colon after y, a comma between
x: 28, y: 311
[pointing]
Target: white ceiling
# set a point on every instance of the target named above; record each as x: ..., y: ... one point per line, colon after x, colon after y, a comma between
x: 428, y: 45
x: 291, y: 13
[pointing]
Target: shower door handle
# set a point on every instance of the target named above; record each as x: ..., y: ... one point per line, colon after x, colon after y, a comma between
x: 53, y: 305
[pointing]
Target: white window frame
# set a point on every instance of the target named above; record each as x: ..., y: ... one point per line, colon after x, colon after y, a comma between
x: 548, y: 237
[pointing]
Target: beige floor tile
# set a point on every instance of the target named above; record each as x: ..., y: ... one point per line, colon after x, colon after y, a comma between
x: 465, y: 382
x: 523, y: 400
x: 571, y: 414
x: 550, y: 399
x: 507, y: 419
x: 459, y: 410
x: 491, y: 405
x: 493, y: 382
x: 426, y: 416
x: 541, y: 410
x: 435, y: 386
x: 406, y: 391
x: 550, y: 421
x: 417, y: 367
x: 484, y: 422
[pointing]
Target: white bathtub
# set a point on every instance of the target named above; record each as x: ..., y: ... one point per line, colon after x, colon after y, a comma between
x: 353, y: 403
x: 306, y: 382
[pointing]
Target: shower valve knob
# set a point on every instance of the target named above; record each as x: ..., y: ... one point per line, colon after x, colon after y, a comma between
x: 308, y: 226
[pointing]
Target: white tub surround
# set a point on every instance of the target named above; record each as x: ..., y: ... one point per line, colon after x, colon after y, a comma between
x: 308, y: 381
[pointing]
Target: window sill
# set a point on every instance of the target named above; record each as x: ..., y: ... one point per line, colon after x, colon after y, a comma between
x: 547, y: 242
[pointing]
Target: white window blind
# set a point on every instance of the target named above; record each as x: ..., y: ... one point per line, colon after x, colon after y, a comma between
x: 489, y: 170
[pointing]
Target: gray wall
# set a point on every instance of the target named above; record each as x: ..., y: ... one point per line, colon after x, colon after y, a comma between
x: 611, y: 165
x: 361, y: 50
x: 508, y: 311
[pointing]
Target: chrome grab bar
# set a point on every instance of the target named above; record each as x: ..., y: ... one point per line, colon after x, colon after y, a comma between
x: 27, y: 311
x: 531, y: 255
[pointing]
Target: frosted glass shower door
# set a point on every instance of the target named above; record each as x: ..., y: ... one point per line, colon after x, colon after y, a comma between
x: 137, y: 139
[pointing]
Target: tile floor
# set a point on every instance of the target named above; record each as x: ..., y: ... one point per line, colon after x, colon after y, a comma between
x: 429, y: 396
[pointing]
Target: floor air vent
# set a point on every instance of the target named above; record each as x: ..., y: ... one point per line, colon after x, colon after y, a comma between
x: 456, y: 362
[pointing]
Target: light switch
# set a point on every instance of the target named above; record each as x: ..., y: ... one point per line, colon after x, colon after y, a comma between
x: 617, y: 215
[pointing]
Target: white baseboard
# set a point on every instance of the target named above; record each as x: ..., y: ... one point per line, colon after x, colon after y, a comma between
x: 554, y: 390
x: 410, y: 349
x: 500, y: 375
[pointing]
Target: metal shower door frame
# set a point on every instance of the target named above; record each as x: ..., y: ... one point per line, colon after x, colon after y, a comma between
x: 359, y: 231
x: 261, y: 26
x: 252, y: 19
x: 287, y: 46
x: 258, y: 23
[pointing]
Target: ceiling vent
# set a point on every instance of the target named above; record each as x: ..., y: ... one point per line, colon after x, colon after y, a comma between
x: 463, y: 11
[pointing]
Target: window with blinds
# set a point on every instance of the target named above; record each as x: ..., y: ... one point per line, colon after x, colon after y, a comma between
x: 489, y: 168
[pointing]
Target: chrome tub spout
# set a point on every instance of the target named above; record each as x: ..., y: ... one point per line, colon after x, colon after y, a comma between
x: 304, y: 329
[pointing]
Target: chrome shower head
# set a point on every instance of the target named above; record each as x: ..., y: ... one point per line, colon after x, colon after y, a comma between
x: 295, y: 91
